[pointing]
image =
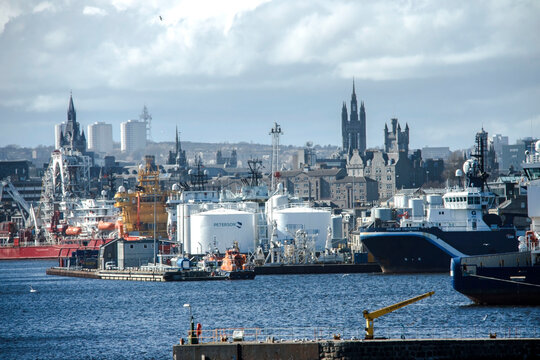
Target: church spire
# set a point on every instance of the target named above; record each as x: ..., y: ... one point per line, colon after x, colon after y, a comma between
x: 177, y: 139
x: 71, y: 114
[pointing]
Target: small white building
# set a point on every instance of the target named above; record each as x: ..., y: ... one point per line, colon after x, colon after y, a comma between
x: 124, y: 253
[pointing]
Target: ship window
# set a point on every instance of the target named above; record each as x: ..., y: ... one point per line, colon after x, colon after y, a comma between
x: 145, y: 246
x: 131, y: 246
x: 470, y: 200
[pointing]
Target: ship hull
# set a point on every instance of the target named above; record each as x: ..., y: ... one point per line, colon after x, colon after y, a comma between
x: 429, y: 250
x: 52, y: 251
x: 497, y: 285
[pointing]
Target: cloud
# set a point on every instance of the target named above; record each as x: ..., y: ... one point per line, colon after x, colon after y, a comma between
x: 55, y: 38
x: 8, y: 11
x: 44, y: 6
x: 91, y: 10
x: 481, y: 51
x: 44, y: 103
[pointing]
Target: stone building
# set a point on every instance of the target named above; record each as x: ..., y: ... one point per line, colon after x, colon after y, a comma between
x: 353, y: 127
x: 353, y: 191
x: 396, y: 140
x: 228, y: 162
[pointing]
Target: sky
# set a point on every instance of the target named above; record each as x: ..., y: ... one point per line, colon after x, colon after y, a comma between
x: 225, y: 71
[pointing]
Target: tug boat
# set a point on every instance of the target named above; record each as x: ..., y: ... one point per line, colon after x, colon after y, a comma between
x: 511, y: 278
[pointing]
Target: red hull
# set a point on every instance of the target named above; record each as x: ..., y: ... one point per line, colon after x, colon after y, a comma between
x: 47, y: 251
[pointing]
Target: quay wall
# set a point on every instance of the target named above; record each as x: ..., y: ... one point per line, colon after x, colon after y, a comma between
x: 317, y: 269
x: 440, y: 349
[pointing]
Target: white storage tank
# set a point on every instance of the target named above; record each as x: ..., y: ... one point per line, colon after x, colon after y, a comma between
x: 313, y: 221
x: 417, y: 206
x: 435, y: 200
x: 385, y: 214
x: 225, y: 226
x: 401, y: 201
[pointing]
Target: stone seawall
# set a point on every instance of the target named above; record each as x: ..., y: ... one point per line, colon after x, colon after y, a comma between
x: 441, y: 349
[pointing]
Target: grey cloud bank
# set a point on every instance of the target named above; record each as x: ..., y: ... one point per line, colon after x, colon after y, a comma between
x: 225, y: 71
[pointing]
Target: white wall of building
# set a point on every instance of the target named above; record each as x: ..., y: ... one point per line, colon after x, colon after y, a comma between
x: 133, y: 135
x: 100, y: 137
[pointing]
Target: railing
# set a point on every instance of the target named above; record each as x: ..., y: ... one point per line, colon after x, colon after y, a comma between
x: 392, y: 332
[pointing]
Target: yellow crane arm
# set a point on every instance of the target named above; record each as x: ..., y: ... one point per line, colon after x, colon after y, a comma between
x: 369, y: 316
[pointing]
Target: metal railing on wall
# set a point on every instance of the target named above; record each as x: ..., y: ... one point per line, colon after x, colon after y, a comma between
x: 392, y: 332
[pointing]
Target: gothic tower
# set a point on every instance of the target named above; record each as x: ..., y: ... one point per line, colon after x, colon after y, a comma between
x: 396, y: 140
x: 178, y: 156
x: 71, y: 138
x: 353, y: 129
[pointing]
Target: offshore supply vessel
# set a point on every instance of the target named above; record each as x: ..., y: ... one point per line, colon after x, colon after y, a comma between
x: 511, y: 278
x: 143, y: 211
x: 68, y: 217
x: 427, y: 239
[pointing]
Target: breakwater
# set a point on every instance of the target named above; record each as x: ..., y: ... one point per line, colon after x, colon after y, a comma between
x: 365, y: 349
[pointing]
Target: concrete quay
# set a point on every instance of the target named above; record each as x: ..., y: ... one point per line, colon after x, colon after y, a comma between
x: 438, y: 349
x: 298, y: 269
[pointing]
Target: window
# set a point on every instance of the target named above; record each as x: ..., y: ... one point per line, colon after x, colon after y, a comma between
x: 145, y: 246
x: 131, y: 246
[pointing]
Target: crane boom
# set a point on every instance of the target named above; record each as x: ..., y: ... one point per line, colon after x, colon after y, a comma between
x: 370, y: 316
x: 27, y: 211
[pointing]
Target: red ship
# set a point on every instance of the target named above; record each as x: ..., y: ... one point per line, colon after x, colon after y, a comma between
x: 20, y: 245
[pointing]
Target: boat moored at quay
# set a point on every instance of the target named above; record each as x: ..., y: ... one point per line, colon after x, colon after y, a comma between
x: 428, y: 236
x: 511, y: 278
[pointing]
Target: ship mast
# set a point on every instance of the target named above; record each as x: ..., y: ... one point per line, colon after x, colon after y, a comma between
x: 276, y: 133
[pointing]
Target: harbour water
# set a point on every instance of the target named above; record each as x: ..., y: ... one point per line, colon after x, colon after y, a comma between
x: 95, y: 319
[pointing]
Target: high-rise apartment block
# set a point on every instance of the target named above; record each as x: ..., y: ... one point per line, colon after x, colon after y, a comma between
x: 58, y: 131
x: 133, y: 135
x: 100, y: 138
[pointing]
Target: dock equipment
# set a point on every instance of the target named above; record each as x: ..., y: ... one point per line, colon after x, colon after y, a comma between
x: 370, y: 316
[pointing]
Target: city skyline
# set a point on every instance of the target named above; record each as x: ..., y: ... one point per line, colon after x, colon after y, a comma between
x: 226, y: 72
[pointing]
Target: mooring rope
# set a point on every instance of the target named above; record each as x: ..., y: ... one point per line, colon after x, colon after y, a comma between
x: 504, y: 280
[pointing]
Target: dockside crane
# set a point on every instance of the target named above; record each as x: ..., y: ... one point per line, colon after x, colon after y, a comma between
x: 26, y: 209
x: 370, y: 316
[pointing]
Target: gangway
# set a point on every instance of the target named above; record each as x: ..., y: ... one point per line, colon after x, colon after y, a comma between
x: 370, y: 316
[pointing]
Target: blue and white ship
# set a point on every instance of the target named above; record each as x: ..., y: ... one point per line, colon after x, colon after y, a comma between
x: 510, y: 278
x: 431, y: 234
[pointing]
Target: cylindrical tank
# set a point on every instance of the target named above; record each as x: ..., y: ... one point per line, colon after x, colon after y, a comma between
x: 435, y: 200
x: 417, y: 206
x: 385, y: 214
x: 313, y: 221
x: 401, y: 201
x: 225, y: 226
x: 337, y: 227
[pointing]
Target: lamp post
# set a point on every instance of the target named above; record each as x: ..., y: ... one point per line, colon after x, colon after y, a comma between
x: 192, y: 338
x: 155, y: 227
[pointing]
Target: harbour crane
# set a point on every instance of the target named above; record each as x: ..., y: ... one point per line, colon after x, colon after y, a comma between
x: 370, y: 316
x: 26, y: 209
